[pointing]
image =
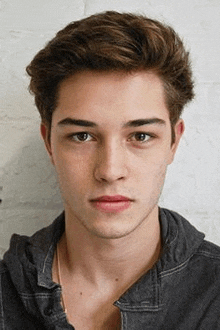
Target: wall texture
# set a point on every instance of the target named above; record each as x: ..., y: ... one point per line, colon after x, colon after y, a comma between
x: 28, y: 188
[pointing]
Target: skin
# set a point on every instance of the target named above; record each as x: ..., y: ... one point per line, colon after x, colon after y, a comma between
x: 110, y: 250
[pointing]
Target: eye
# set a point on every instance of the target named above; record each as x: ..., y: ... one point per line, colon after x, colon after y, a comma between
x: 81, y: 137
x: 140, y: 137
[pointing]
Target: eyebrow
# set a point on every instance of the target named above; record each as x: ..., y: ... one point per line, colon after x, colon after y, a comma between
x: 141, y: 122
x: 78, y: 122
x: 132, y: 123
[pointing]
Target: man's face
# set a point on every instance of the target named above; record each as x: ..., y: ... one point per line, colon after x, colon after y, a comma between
x: 110, y: 136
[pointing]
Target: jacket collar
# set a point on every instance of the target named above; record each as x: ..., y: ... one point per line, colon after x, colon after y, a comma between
x: 29, y: 260
x: 180, y: 240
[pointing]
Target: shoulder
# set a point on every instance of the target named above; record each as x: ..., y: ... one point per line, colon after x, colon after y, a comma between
x: 210, y: 254
x: 205, y: 265
x: 4, y: 275
x: 5, y: 278
x: 186, y: 248
x: 13, y: 314
x: 3, y: 268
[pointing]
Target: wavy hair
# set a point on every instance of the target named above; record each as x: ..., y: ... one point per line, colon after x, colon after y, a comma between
x: 112, y: 41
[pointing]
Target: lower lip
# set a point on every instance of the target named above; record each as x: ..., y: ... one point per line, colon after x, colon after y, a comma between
x: 111, y: 207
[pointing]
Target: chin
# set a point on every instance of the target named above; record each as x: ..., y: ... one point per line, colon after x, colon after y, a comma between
x: 112, y: 232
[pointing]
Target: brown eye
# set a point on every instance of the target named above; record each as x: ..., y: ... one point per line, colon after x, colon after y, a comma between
x: 81, y: 137
x: 141, y: 137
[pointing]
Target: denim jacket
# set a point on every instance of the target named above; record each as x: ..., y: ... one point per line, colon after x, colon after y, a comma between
x: 181, y: 292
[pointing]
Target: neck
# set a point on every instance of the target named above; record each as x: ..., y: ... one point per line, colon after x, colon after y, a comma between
x: 109, y: 260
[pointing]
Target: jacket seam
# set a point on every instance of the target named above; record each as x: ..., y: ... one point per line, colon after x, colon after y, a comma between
x: 175, y: 269
x: 208, y: 254
x: 124, y: 320
x: 135, y: 308
x: 47, y: 256
x: 184, y: 264
x: 2, y: 323
x: 35, y: 295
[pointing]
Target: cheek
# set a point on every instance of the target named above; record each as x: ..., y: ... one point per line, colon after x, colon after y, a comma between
x: 149, y: 174
x: 154, y: 161
x: 154, y: 172
x: 73, y: 172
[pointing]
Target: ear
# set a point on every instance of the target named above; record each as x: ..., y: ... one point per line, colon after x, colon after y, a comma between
x: 178, y: 131
x: 45, y: 133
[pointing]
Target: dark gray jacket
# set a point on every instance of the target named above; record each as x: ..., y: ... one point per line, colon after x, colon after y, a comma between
x: 182, y: 292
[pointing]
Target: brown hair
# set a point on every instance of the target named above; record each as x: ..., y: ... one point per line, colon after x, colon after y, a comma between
x: 112, y: 41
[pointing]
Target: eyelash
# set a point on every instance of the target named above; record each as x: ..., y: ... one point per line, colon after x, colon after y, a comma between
x: 73, y: 136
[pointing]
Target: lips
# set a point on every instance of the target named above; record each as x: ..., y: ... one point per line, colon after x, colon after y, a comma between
x: 116, y: 198
x: 111, y: 204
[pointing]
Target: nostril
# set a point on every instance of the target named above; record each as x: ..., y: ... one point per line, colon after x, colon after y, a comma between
x: 102, y: 179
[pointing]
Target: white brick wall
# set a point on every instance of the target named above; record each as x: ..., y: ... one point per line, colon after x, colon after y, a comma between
x: 30, y: 198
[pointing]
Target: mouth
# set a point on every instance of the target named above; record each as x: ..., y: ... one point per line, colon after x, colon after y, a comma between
x: 111, y: 204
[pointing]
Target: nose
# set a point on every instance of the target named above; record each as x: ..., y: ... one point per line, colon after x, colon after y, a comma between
x: 111, y: 162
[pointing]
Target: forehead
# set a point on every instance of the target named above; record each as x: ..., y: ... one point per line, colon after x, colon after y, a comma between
x: 111, y: 97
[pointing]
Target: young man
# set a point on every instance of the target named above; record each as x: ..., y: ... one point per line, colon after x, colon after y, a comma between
x: 110, y: 90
